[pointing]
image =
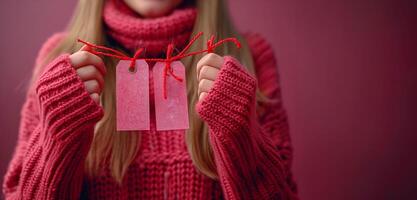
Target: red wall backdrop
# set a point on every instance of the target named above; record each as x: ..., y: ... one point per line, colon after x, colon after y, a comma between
x: 349, y: 76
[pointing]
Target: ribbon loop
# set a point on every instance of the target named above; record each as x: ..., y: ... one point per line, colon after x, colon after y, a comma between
x: 210, y: 46
x: 167, y: 68
x: 134, y: 58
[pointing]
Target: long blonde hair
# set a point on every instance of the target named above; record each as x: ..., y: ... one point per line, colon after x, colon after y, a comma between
x: 121, y: 149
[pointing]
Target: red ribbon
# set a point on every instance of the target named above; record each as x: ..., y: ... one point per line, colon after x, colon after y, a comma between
x: 101, y: 50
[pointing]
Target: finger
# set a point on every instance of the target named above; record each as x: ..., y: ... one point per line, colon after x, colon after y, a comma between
x: 202, y: 96
x: 90, y: 50
x: 204, y: 86
x: 83, y: 58
x: 90, y: 72
x: 92, y: 86
x: 208, y: 72
x: 85, y: 48
x: 210, y: 59
x: 95, y: 97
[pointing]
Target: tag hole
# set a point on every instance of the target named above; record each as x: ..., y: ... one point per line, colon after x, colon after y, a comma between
x: 132, y: 70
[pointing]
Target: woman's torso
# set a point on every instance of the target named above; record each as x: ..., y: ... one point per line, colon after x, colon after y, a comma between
x: 163, y: 169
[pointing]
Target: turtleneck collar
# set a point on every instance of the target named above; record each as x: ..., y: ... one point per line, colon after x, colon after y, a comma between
x: 133, y: 32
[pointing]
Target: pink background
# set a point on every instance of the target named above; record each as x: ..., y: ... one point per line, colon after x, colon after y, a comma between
x: 349, y: 76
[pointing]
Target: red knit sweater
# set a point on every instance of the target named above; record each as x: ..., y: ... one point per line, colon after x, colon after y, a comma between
x: 252, y: 149
x: 56, y: 131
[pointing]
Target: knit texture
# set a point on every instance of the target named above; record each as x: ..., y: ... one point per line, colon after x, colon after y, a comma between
x: 134, y: 32
x: 251, y: 144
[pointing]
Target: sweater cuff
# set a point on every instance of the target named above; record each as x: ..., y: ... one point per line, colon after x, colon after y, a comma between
x: 65, y: 104
x: 229, y: 103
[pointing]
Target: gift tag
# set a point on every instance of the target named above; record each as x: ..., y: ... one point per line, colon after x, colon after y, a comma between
x: 171, y: 113
x: 132, y: 96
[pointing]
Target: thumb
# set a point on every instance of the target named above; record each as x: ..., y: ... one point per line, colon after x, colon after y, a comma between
x: 85, y: 48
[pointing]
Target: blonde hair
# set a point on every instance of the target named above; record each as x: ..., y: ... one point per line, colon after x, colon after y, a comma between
x: 121, y: 149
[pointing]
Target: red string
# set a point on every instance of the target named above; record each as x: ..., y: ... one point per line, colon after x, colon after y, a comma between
x: 101, y: 50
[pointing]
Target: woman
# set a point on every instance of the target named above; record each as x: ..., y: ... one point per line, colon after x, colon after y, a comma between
x: 237, y: 146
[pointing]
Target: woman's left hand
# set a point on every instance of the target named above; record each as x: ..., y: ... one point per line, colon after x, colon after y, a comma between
x: 207, y: 70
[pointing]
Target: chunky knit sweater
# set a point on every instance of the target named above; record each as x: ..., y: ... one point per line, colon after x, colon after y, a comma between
x: 251, y: 145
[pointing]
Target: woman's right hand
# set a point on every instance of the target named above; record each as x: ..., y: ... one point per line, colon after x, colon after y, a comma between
x: 91, y: 69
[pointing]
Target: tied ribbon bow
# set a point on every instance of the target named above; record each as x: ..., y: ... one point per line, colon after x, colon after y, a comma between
x: 211, y: 45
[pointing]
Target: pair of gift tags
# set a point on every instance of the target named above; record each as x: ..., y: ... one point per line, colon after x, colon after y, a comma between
x: 132, y: 97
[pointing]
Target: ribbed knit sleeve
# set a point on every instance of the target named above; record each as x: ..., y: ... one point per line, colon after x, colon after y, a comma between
x: 252, y: 151
x: 56, y: 130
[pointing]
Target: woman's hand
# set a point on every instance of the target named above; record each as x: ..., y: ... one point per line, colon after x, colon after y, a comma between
x: 90, y: 68
x: 207, y: 70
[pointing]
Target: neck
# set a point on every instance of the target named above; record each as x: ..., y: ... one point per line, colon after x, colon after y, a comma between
x: 133, y: 32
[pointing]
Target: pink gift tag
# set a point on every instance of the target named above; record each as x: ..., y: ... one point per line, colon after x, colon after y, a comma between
x: 132, y: 96
x: 171, y: 113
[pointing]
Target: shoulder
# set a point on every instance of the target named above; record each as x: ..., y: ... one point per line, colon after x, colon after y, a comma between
x: 265, y: 63
x: 254, y: 39
x: 260, y: 48
x: 50, y: 43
